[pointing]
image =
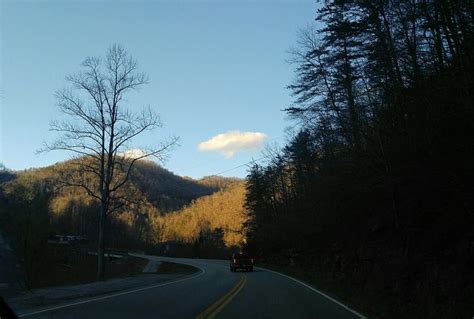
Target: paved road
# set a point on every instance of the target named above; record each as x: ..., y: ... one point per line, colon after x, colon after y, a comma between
x: 212, y: 292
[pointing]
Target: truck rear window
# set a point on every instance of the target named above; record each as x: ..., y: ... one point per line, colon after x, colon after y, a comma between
x: 241, y: 256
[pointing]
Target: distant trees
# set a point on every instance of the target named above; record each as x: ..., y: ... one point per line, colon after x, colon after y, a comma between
x: 24, y: 213
x: 221, y: 213
x: 384, y: 101
x: 37, y: 195
x: 100, y: 131
x: 167, y: 191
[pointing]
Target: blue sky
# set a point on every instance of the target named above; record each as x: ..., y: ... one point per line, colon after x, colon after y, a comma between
x: 214, y: 67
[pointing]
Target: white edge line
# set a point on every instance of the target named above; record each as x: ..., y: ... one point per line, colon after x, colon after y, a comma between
x: 114, y: 295
x: 317, y: 291
x: 301, y: 283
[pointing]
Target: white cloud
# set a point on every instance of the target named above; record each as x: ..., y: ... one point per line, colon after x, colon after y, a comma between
x: 133, y: 153
x: 232, y: 142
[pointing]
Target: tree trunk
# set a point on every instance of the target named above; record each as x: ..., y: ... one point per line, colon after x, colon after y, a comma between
x: 101, y: 244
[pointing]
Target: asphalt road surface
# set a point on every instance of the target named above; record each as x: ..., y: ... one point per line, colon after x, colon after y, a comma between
x: 213, y: 292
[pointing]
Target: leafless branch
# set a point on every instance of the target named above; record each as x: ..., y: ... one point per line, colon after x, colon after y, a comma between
x: 153, y: 153
x: 100, y: 126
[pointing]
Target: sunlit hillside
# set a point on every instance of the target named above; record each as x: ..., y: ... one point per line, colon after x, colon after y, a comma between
x: 38, y: 194
x: 222, y: 211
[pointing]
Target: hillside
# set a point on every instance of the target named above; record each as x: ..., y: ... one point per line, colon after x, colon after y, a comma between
x: 33, y: 198
x: 219, y: 182
x: 162, y: 188
x: 165, y: 206
x: 167, y: 191
x: 222, y: 212
x: 5, y: 174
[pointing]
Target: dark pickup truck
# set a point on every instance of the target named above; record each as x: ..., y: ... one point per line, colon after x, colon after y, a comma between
x: 242, y: 261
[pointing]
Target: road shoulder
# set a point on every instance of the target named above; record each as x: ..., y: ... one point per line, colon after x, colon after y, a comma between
x: 289, y: 275
x: 35, y: 299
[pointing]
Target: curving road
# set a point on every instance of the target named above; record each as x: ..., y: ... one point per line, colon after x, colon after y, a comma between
x: 213, y: 292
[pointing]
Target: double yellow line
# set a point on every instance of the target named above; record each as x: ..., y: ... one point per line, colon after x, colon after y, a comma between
x: 217, y: 307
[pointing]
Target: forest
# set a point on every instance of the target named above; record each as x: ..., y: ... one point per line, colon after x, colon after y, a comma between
x: 212, y: 226
x: 374, y: 192
x: 202, y: 216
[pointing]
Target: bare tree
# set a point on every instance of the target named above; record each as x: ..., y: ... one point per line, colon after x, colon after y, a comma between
x: 99, y: 131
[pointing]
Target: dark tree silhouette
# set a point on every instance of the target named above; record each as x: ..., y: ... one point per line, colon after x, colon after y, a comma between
x: 383, y: 160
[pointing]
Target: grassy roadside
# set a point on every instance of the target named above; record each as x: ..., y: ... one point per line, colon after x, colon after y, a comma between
x: 357, y: 298
x: 363, y: 298
x: 85, y: 270
x: 167, y: 267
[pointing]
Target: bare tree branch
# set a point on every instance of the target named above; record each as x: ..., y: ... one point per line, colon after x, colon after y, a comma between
x: 100, y: 127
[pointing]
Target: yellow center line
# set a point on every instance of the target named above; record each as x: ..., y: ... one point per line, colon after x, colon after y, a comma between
x: 217, y: 306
